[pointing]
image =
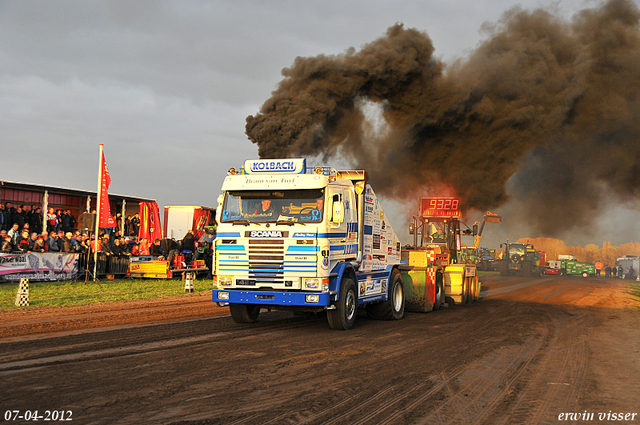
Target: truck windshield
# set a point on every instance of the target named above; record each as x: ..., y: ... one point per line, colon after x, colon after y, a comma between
x: 517, y: 249
x: 274, y: 206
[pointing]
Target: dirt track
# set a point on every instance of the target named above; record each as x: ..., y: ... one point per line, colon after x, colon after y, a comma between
x: 528, y: 352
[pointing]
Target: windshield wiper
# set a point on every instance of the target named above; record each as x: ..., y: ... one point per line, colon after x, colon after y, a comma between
x: 241, y: 222
x: 289, y: 222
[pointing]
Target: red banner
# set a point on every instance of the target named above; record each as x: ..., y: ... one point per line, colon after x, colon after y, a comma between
x: 106, y: 219
x: 200, y: 219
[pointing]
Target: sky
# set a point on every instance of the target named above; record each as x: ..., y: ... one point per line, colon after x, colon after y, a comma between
x: 166, y: 86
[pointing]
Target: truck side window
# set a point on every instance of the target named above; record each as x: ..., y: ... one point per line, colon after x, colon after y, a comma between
x: 336, y: 198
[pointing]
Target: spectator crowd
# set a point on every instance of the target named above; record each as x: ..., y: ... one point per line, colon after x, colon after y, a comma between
x: 21, y: 230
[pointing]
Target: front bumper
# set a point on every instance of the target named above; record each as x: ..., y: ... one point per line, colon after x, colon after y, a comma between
x: 275, y: 298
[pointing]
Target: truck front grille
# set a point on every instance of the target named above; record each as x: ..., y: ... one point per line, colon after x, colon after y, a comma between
x: 266, y: 260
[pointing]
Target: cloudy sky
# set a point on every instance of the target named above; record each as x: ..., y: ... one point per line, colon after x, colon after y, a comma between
x: 166, y: 86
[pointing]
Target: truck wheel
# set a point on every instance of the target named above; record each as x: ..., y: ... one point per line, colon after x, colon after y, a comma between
x: 244, y: 313
x: 344, y: 315
x: 393, y: 307
x: 585, y: 274
x: 527, y: 266
x: 439, y: 291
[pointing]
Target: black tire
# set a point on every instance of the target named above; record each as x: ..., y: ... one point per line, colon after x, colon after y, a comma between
x: 439, y: 291
x: 473, y: 297
x: 244, y: 313
x: 503, y: 268
x: 527, y: 267
x: 480, y: 266
x: 344, y: 315
x: 585, y: 275
x: 393, y: 307
x: 469, y: 288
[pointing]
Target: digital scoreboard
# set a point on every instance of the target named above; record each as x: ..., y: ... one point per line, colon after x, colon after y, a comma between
x: 440, y: 207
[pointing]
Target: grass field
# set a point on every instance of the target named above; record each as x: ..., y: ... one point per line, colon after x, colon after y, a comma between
x: 70, y: 293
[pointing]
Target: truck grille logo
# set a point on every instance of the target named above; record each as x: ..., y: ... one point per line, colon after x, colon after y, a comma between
x: 266, y: 234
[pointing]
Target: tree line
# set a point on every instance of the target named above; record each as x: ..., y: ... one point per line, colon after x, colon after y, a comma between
x: 590, y: 253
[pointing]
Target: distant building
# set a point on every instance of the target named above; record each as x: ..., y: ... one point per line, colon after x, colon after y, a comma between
x: 77, y: 201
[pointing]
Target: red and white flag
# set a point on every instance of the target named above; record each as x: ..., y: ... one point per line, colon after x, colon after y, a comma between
x: 104, y: 210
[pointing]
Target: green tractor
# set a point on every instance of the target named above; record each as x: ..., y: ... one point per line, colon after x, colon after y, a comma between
x: 521, y: 260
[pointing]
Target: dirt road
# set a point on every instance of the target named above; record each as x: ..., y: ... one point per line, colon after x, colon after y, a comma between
x: 530, y: 351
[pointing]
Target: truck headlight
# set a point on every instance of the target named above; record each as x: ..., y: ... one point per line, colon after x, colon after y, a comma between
x: 316, y: 284
x: 313, y: 283
x: 225, y: 280
x: 312, y: 298
x: 223, y: 296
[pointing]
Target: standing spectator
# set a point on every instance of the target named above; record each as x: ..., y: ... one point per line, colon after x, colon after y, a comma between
x: 188, y: 246
x: 32, y: 240
x: 9, y: 210
x: 607, y: 271
x: 128, y: 226
x: 19, y: 217
x: 45, y: 238
x: 95, y: 244
x: 53, y: 242
x: 620, y: 272
x: 77, y: 241
x: 118, y: 249
x: 84, y: 242
x: 135, y: 222
x: 38, y: 246
x: 74, y: 222
x: 23, y: 242
x: 143, y: 247
x: 52, y: 220
x: 3, y: 218
x: 614, y: 271
x: 65, y: 221
x: 67, y: 243
x: 598, y: 268
x: 14, y: 233
x: 105, y: 246
x: 155, y: 249
x: 119, y: 221
x: 6, y: 246
x: 35, y: 220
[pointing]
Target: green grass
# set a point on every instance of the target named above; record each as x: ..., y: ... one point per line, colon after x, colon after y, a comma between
x: 635, y: 289
x: 69, y: 293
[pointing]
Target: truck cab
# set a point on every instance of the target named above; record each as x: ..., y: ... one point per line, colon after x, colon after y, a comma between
x: 290, y: 237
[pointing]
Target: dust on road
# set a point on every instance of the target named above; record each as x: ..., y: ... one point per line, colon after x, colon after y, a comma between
x: 530, y: 351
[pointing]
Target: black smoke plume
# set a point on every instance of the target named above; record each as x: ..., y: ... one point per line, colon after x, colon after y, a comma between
x: 546, y: 107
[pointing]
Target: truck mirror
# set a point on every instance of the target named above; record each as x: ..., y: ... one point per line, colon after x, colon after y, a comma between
x: 220, y: 199
x: 475, y: 229
x: 412, y: 229
x: 338, y: 212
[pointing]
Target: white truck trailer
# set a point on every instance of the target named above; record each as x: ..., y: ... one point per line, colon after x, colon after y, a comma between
x: 292, y: 237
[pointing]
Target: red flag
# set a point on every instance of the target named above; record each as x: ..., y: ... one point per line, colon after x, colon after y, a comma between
x: 150, y: 221
x: 106, y: 220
